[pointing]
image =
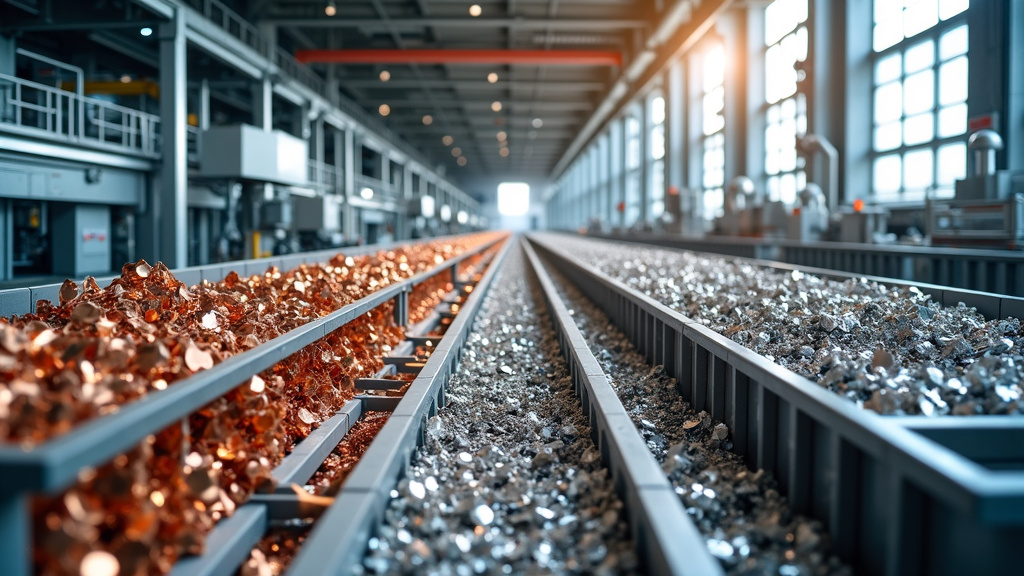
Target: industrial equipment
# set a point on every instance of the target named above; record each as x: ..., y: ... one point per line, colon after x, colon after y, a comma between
x: 988, y: 208
x: 747, y: 213
x: 809, y: 222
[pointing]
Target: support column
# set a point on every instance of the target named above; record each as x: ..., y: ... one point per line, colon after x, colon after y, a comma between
x: 204, y: 104
x: 349, y: 217
x: 170, y: 210
x: 6, y: 240
x: 645, y: 157
x: 675, y: 126
x: 263, y: 104
x: 7, y: 55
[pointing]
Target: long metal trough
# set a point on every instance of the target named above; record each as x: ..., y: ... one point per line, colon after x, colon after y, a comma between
x: 52, y: 466
x: 338, y: 539
x: 668, y: 541
x: 989, y: 270
x: 897, y: 497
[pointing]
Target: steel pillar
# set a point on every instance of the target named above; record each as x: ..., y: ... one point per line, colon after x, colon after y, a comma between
x: 171, y: 209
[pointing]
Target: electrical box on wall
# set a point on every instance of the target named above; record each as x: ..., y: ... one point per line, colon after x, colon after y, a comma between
x: 81, y: 239
x: 246, y: 152
x: 317, y: 213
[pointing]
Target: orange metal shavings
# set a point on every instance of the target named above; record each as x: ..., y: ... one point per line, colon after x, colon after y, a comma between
x: 100, y: 349
x: 274, y: 552
x: 329, y: 478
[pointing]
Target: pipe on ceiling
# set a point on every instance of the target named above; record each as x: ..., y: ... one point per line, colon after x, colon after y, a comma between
x: 530, y: 57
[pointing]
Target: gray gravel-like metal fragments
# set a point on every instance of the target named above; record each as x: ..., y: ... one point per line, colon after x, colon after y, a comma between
x: 889, y: 350
x: 508, y: 481
x: 746, y: 523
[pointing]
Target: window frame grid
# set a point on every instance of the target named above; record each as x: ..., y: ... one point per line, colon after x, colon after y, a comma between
x: 934, y: 34
x: 799, y: 171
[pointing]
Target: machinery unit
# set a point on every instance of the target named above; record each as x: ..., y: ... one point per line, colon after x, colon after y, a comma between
x: 988, y: 208
x: 809, y: 221
x: 747, y: 213
x: 241, y: 151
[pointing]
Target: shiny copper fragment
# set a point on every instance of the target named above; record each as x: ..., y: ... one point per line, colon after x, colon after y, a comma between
x: 329, y: 478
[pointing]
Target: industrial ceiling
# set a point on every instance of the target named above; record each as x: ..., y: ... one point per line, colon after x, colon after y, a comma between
x: 512, y: 85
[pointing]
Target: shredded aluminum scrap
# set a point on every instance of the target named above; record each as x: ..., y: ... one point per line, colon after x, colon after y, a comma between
x: 745, y: 522
x: 508, y: 481
x: 894, y: 351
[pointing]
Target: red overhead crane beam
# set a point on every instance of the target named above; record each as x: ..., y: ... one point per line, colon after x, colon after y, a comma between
x: 534, y: 57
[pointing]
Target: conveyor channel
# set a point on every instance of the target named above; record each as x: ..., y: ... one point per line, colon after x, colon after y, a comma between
x: 897, y: 495
x: 894, y: 501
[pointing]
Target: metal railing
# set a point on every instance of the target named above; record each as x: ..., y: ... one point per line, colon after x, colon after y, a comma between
x: 325, y: 176
x: 47, y: 112
x: 382, y: 191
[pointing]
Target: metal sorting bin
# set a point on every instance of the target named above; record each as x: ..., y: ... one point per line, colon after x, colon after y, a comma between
x: 338, y: 540
x: 52, y: 466
x: 999, y: 271
x: 667, y: 540
x: 898, y: 495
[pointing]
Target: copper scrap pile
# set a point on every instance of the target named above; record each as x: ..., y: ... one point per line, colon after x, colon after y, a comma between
x: 99, y: 349
x: 275, y: 551
x: 328, y: 479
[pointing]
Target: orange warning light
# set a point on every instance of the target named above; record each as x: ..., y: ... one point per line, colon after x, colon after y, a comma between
x: 621, y: 207
x: 858, y: 205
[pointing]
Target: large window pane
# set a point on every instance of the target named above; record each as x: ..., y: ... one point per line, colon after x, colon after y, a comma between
x: 953, y: 81
x: 919, y: 129
x: 919, y: 92
x: 953, y: 43
x: 889, y: 102
x: 917, y: 169
x: 888, y: 68
x: 919, y: 56
x: 919, y: 15
x: 952, y: 120
x: 888, y: 173
x: 952, y: 163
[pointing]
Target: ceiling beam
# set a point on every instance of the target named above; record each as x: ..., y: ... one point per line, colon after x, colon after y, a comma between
x: 374, y: 24
x: 536, y: 57
x: 478, y: 85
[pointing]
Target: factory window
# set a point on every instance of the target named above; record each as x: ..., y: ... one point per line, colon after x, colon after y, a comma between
x: 920, y: 98
x: 513, y: 198
x: 632, y: 213
x: 657, y: 157
x: 713, y: 128
x: 785, y: 26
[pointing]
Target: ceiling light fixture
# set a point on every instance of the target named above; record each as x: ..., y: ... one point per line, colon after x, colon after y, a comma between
x: 461, y: 160
x: 503, y: 152
x: 428, y: 119
x: 147, y: 31
x: 456, y: 152
x: 385, y: 75
x: 502, y: 136
x: 496, y: 106
x: 492, y: 77
x: 126, y: 79
x: 384, y: 109
x: 330, y: 9
x: 366, y: 193
x: 537, y: 123
x: 475, y: 10
x: 448, y: 140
